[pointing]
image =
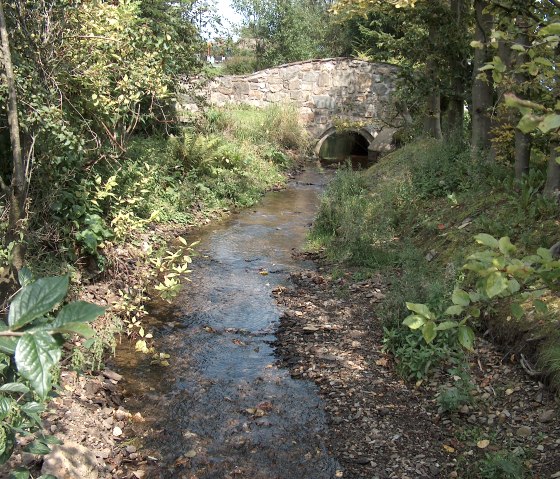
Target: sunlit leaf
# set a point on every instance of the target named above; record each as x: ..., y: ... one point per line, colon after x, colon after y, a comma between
x: 429, y: 331
x: 465, y: 335
x: 414, y: 321
x: 36, y: 299
x: 35, y: 355
x: 420, y: 309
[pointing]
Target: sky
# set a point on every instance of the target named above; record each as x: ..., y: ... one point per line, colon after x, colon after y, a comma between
x: 229, y: 17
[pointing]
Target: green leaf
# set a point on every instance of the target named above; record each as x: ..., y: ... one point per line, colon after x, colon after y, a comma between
x: 77, y: 312
x: 48, y: 439
x: 8, y: 344
x: 81, y: 329
x: 37, y: 447
x: 475, y: 296
x: 445, y: 325
x: 518, y: 47
x: 540, y: 306
x: 429, y: 331
x: 6, y: 404
x: 460, y: 297
x: 14, y: 388
x: 465, y: 335
x: 545, y: 254
x: 35, y: 355
x: 496, y: 283
x: 487, y: 240
x: 550, y: 122
x: 36, y: 299
x: 552, y: 29
x: 517, y: 311
x: 414, y: 321
x: 529, y: 122
x: 19, y: 473
x: 25, y: 276
x: 505, y: 245
x: 8, y: 443
x: 454, y: 310
x: 421, y: 309
x: 32, y: 407
x: 513, y: 286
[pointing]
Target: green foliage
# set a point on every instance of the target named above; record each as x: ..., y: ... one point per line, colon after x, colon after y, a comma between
x: 450, y: 399
x: 284, y: 31
x: 31, y: 347
x: 501, y: 465
x: 416, y: 358
x: 498, y: 274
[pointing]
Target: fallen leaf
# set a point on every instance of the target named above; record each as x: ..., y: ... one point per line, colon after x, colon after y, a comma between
x: 483, y: 444
x: 382, y: 362
x: 449, y: 449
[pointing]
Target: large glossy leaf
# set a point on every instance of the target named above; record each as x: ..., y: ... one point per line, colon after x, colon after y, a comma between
x: 505, y: 245
x: 78, y: 328
x: 36, y: 299
x: 495, y: 284
x: 429, y: 331
x: 6, y: 404
x: 35, y: 355
x: 460, y: 297
x: 14, y: 388
x: 8, y: 445
x: 77, y: 312
x: 487, y: 240
x: 420, y: 309
x: 37, y: 447
x: 454, y: 310
x: 8, y: 344
x: 414, y: 321
x: 465, y: 336
x: 446, y: 325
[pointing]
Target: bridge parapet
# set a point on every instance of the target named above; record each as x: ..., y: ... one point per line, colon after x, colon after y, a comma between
x: 324, y: 92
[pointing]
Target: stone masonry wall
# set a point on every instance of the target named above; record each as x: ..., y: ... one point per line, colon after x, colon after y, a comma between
x: 322, y: 90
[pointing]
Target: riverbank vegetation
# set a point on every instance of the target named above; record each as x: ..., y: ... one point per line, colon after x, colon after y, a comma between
x: 100, y: 180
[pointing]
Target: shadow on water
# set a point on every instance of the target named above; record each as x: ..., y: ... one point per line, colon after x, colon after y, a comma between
x: 222, y: 408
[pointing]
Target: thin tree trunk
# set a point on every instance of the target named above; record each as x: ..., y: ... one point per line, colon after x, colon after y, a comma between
x: 18, y: 186
x: 552, y: 185
x: 522, y: 153
x: 456, y: 113
x: 522, y: 140
x: 482, y: 91
x: 432, y: 122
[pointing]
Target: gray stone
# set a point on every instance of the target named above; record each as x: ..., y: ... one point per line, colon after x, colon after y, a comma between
x: 523, y: 431
x: 547, y: 416
x: 70, y: 461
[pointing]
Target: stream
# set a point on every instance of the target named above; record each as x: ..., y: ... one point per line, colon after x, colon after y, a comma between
x: 223, y: 409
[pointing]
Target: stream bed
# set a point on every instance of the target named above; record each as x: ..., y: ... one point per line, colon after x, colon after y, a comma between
x: 223, y: 409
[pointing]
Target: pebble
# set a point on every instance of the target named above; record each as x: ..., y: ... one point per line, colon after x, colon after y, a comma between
x: 547, y: 416
x: 523, y: 431
x: 117, y: 431
x: 130, y: 449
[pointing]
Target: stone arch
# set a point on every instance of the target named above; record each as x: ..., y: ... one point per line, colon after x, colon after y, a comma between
x: 363, y: 132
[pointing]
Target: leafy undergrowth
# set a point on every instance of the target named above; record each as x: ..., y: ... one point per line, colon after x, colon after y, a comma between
x: 413, y: 217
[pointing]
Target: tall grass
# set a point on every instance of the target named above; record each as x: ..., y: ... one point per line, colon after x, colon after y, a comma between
x: 413, y: 216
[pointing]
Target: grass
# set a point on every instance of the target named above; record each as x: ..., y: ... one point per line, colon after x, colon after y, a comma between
x: 413, y: 216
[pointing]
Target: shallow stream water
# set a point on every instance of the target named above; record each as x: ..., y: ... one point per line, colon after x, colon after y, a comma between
x: 223, y: 408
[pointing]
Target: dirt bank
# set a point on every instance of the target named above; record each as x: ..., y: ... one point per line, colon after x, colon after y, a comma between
x: 383, y: 427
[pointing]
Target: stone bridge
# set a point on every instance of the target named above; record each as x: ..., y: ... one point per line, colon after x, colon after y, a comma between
x: 327, y: 93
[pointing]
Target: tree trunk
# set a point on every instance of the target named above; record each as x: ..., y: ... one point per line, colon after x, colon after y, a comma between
x: 522, y: 153
x: 18, y: 186
x: 482, y: 90
x: 432, y: 123
x: 552, y: 186
x: 456, y: 112
x: 522, y: 140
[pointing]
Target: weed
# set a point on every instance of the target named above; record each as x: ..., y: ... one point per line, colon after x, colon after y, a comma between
x: 501, y: 465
